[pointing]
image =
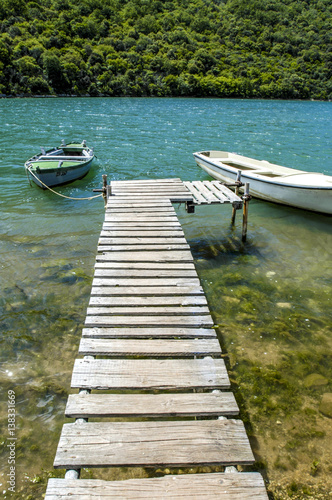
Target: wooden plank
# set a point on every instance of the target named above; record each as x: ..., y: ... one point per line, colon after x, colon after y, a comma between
x: 147, y: 225
x: 150, y: 374
x: 160, y: 320
x: 147, y: 217
x: 161, y: 190
x: 176, y: 256
x: 226, y: 191
x: 198, y: 197
x: 164, y: 282
x: 124, y: 202
x: 140, y: 233
x: 107, y: 272
x: 133, y: 182
x: 143, y: 333
x: 203, y: 404
x: 128, y: 301
x: 171, y: 266
x: 154, y: 348
x: 108, y: 291
x: 142, y: 210
x: 156, y: 444
x: 142, y: 246
x: 217, y: 486
x: 220, y: 194
x: 173, y: 196
x: 145, y: 310
x: 210, y: 198
x: 144, y: 240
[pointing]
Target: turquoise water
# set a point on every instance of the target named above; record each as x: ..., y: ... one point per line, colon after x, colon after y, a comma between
x: 270, y: 297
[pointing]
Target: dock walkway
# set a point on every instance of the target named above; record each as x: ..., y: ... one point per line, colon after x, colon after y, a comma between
x: 149, y: 342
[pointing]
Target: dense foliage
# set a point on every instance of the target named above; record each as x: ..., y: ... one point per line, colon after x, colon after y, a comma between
x: 234, y: 48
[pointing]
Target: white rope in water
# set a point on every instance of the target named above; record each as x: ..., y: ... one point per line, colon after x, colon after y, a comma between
x: 59, y: 194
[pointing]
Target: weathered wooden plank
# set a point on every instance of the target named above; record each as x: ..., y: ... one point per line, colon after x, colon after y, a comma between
x: 161, y: 190
x: 145, y: 266
x: 164, y: 282
x: 145, y: 310
x: 226, y: 191
x: 140, y: 233
x: 144, y: 333
x: 147, y: 217
x: 124, y: 202
x: 175, y: 443
x: 108, y: 291
x: 203, y: 188
x: 173, y: 374
x: 144, y: 273
x: 155, y: 347
x: 171, y: 256
x: 146, y: 225
x: 198, y: 197
x: 142, y: 246
x: 203, y: 404
x: 151, y: 231
x: 220, y: 194
x: 218, y: 486
x: 142, y: 210
x: 145, y: 240
x: 151, y: 348
x: 138, y: 182
x: 160, y: 320
x: 128, y: 301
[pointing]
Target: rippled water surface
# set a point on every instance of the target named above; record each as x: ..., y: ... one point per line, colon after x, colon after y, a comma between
x: 271, y: 298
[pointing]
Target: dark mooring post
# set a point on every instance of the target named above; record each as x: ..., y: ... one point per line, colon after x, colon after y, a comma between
x: 246, y: 198
x: 238, y: 184
x: 106, y: 189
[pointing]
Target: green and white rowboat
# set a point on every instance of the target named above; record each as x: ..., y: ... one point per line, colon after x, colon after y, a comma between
x: 61, y: 165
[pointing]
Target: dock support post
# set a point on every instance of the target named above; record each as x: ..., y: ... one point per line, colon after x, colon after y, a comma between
x: 238, y: 183
x: 190, y: 207
x: 106, y: 189
x: 246, y: 198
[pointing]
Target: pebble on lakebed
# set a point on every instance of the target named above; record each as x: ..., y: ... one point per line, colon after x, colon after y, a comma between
x: 325, y: 406
x: 315, y: 380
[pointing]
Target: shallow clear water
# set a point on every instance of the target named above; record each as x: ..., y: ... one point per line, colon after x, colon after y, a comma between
x: 270, y: 297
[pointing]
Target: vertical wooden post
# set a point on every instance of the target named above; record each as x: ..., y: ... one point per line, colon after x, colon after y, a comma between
x: 246, y: 197
x: 106, y: 189
x: 237, y: 182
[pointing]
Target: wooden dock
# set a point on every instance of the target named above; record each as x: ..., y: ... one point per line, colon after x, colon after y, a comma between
x: 149, y: 341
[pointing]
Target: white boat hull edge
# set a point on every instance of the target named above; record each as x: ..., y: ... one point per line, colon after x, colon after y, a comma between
x: 316, y: 199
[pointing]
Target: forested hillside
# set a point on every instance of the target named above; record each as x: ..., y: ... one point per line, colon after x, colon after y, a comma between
x: 234, y: 48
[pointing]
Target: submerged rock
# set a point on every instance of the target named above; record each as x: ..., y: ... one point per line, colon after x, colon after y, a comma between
x: 325, y: 406
x: 284, y: 305
x: 315, y: 380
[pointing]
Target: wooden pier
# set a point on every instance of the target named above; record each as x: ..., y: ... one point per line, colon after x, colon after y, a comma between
x: 149, y: 341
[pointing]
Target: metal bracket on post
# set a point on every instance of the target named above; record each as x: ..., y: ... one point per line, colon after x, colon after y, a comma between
x: 246, y: 198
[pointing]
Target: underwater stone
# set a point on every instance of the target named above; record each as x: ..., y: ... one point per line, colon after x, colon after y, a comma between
x: 325, y: 406
x: 315, y: 380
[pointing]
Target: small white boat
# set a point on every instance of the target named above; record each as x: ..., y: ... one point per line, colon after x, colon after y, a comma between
x: 288, y: 186
x: 61, y: 165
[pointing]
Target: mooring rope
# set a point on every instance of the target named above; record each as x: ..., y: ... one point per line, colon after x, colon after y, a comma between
x: 59, y: 194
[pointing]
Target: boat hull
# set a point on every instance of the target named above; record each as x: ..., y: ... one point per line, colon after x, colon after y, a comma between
x: 60, y: 166
x: 316, y: 199
x: 58, y: 176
